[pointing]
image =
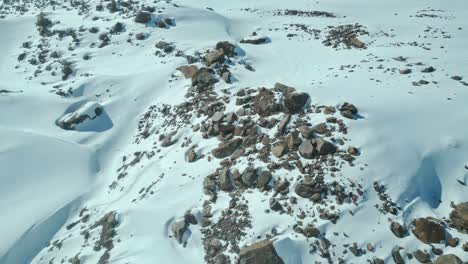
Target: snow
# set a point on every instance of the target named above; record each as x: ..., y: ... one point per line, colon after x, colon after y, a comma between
x: 413, y: 138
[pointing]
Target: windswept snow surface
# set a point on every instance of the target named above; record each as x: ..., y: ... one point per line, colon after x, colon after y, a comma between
x: 413, y: 139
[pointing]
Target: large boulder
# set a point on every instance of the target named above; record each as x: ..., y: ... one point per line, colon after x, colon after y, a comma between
x: 397, y: 229
x: 225, y: 182
x: 459, y: 217
x: 226, y: 149
x: 448, y: 259
x: 260, y: 253
x: 188, y: 70
x: 143, y: 17
x: 216, y: 56
x: 228, y: 48
x: 325, y: 147
x: 429, y: 230
x: 304, y: 191
x: 294, y: 102
x: 306, y: 149
x: 264, y: 103
x: 204, y: 77
x: 178, y: 230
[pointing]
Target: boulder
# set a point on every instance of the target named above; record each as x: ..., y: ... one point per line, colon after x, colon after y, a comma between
x: 254, y: 41
x: 306, y: 131
x: 178, y: 229
x: 89, y: 116
x: 448, y: 259
x: 188, y: 70
x: 311, y: 231
x: 294, y: 102
x: 325, y: 147
x: 279, y: 149
x: 204, y: 77
x: 306, y: 149
x: 264, y: 179
x: 397, y: 229
x: 283, y: 123
x: 216, y: 56
x: 354, y: 41
x: 226, y: 149
x: 421, y: 256
x: 262, y: 252
x: 348, y: 110
x: 304, y: 191
x: 225, y: 182
x: 143, y: 17
x: 429, y: 230
x: 459, y: 217
x: 249, y: 176
x: 227, y: 48
x: 264, y: 103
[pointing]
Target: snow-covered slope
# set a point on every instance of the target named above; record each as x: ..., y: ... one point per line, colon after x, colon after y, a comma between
x: 114, y: 150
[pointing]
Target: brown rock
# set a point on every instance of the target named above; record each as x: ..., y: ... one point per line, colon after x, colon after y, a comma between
x: 227, y: 48
x: 225, y: 182
x: 311, y: 231
x: 448, y: 259
x: 226, y: 149
x: 262, y: 252
x: 459, y: 217
x: 397, y: 229
x: 216, y: 56
x: 283, y: 123
x: 429, y: 230
x: 188, y: 70
x: 422, y: 256
x: 264, y: 103
x: 306, y: 149
x: 294, y: 102
x: 279, y: 149
x: 354, y: 41
x: 325, y: 147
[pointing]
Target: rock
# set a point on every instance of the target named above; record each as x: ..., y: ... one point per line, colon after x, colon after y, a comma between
x: 378, y: 261
x: 465, y: 247
x: 191, y: 155
x: 284, y: 88
x: 397, y: 229
x: 456, y: 78
x: 429, y: 230
x: 167, y: 140
x: 216, y: 56
x: 279, y: 149
x: 188, y: 70
x: 353, y: 151
x: 422, y: 256
x: 264, y: 179
x: 226, y: 149
x: 459, y: 217
x: 320, y: 128
x: 166, y: 47
x: 190, y: 218
x: 283, y: 123
x: 396, y: 256
x: 275, y: 205
x: 311, y: 231
x: 220, y: 259
x: 204, y: 77
x: 453, y: 241
x: 293, y: 140
x: 43, y: 21
x: 448, y: 259
x: 262, y: 252
x: 264, y: 103
x: 178, y: 229
x: 254, y: 41
x: 143, y: 17
x: 209, y: 186
x: 249, y: 177
x: 306, y: 149
x: 428, y: 69
x: 354, y: 41
x: 217, y: 117
x: 294, y: 102
x: 306, y: 132
x: 348, y: 110
x: 140, y: 36
x: 225, y: 182
x: 227, y: 48
x: 325, y: 147
x: 405, y: 71
x: 66, y: 70
x: 117, y: 28
x: 85, y: 118
x: 304, y: 191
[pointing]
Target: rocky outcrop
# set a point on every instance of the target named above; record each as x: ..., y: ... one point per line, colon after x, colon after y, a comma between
x: 260, y: 253
x: 448, y: 259
x: 295, y: 102
x: 226, y: 149
x: 459, y: 217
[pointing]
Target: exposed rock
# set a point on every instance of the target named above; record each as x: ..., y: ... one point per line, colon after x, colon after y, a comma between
x: 306, y: 149
x: 228, y: 48
x: 348, y: 110
x: 448, y: 259
x: 397, y: 256
x: 216, y: 56
x: 353, y: 151
x: 354, y: 41
x: 264, y: 103
x: 304, y: 191
x: 325, y: 147
x: 279, y: 149
x: 226, y: 149
x: 143, y: 17
x: 459, y: 217
x: 275, y: 205
x: 264, y: 179
x: 204, y: 77
x: 320, y: 128
x: 294, y: 102
x: 140, y: 36
x: 428, y: 69
x: 188, y: 70
x: 283, y: 123
x: 178, y: 229
x: 167, y: 139
x: 225, y: 182
x: 191, y: 155
x: 306, y: 132
x: 429, y: 230
x: 456, y: 78
x: 311, y: 231
x: 405, y: 71
x: 81, y: 117
x: 249, y: 176
x: 254, y: 41
x: 217, y: 117
x: 422, y: 256
x: 397, y: 229
x: 117, y: 28
x: 164, y: 46
x: 262, y: 252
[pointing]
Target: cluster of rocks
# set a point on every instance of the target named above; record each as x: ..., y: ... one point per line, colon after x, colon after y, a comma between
x: 108, y: 224
x: 346, y: 35
x: 85, y: 113
x: 302, y: 13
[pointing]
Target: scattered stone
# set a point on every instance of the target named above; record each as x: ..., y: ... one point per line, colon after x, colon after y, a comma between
x: 255, y: 41
x: 428, y: 69
x: 397, y: 256
x: 421, y: 256
x: 204, y: 77
x: 456, y: 78
x: 348, y: 110
x: 459, y: 217
x: 405, y: 71
x: 354, y: 41
x: 143, y: 17
x: 311, y: 231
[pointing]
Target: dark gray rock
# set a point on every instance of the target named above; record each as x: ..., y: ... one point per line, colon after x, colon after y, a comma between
x: 295, y: 102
